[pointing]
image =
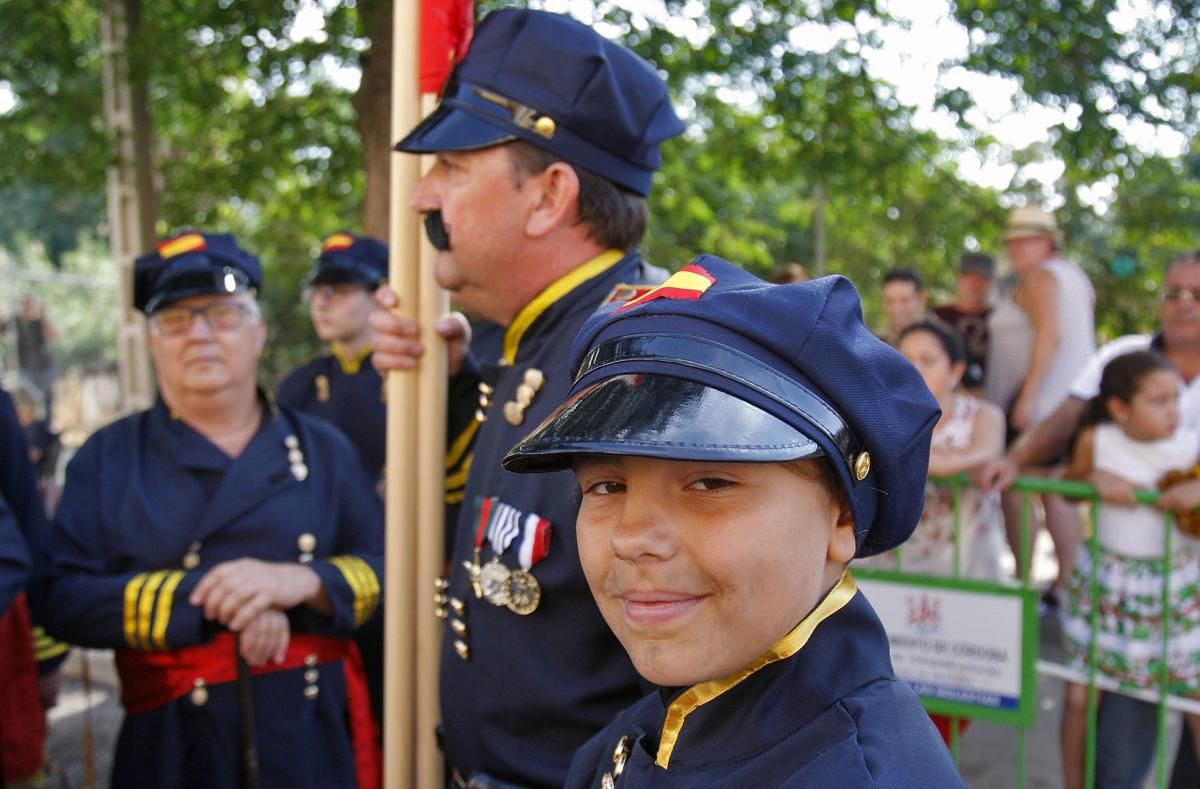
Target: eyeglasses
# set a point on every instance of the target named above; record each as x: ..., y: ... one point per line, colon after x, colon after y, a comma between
x: 220, y: 315
x: 337, y: 290
x: 1174, y: 293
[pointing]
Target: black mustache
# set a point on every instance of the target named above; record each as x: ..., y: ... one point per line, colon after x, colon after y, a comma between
x: 435, y: 228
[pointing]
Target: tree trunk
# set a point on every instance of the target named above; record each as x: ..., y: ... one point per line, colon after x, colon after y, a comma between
x: 132, y: 203
x: 373, y: 104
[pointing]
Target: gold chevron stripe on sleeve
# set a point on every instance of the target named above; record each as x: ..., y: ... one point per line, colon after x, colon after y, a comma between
x: 353, y: 577
x: 162, y: 609
x: 45, y: 647
x: 132, y: 589
x: 146, y: 607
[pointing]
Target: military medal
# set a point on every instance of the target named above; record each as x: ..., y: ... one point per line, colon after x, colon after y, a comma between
x: 472, y: 565
x: 493, y: 578
x: 524, y: 593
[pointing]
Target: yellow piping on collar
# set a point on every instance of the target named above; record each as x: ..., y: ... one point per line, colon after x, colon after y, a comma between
x: 698, y: 695
x: 350, y: 364
x: 555, y: 291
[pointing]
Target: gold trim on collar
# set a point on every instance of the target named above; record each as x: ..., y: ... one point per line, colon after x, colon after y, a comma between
x: 350, y: 364
x: 698, y: 695
x: 555, y: 291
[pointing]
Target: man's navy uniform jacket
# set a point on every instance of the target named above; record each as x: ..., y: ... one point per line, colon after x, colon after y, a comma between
x: 520, y: 693
x: 149, y: 507
x: 348, y: 393
x: 824, y: 710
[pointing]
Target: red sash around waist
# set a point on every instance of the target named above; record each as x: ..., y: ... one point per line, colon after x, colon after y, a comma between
x: 152, y: 679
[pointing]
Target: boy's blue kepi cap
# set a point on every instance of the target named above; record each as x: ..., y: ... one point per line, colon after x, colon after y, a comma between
x: 556, y: 83
x: 346, y: 257
x: 715, y: 364
x: 193, y: 264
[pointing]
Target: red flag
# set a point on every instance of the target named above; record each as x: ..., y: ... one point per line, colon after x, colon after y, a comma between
x: 446, y: 27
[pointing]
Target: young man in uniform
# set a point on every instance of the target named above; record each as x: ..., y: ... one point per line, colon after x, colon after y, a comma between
x: 736, y: 444
x: 545, y: 143
x: 225, y: 548
x: 343, y: 387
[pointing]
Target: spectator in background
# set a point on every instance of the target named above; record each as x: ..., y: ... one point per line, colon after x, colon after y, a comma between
x: 35, y: 335
x: 904, y: 299
x: 1041, y: 339
x: 789, y: 273
x: 968, y: 314
x: 969, y: 432
x: 44, y: 445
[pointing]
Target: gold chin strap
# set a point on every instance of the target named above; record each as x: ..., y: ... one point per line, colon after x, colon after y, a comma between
x: 699, y: 695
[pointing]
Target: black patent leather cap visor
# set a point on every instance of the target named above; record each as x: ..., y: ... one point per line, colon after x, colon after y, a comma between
x: 658, y: 416
x: 223, y: 281
x: 451, y: 129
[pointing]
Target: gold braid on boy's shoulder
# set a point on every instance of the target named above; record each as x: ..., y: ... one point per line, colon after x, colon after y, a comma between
x: 1188, y: 522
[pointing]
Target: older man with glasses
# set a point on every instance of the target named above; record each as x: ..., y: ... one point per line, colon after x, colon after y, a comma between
x: 226, y: 549
x: 1128, y: 724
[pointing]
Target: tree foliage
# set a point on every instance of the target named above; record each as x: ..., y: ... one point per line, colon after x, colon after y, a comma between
x: 258, y: 131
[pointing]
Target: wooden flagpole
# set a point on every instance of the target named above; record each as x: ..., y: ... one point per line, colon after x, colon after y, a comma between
x: 431, y: 482
x: 400, y: 607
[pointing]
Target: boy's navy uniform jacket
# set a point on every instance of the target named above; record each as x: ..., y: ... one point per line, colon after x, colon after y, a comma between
x: 149, y: 507
x: 822, y: 709
x: 520, y: 693
x: 348, y: 393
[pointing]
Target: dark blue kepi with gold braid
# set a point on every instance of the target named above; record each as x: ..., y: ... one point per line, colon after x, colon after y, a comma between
x: 716, y: 364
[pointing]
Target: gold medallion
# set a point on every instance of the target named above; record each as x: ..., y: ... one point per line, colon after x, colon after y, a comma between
x: 492, y: 579
x: 523, y: 592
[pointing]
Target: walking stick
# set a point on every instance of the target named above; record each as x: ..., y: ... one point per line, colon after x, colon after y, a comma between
x: 246, y: 708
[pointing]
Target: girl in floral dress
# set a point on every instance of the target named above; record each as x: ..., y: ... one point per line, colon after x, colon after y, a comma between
x: 970, y: 431
x: 1130, y: 437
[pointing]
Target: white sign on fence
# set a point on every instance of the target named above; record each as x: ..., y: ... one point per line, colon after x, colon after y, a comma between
x: 952, y: 644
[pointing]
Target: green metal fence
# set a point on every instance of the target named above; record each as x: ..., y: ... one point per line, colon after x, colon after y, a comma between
x: 1085, y: 493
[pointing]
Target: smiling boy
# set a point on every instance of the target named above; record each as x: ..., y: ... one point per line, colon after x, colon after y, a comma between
x: 736, y: 445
